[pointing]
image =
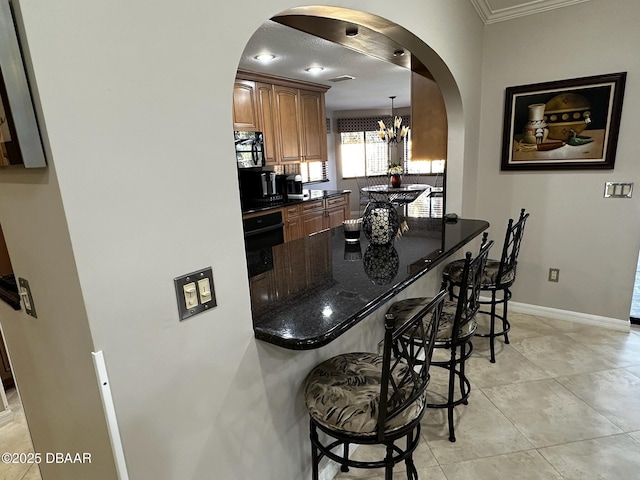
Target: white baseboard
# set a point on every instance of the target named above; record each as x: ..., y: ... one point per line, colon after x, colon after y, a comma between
x: 6, y: 417
x: 576, y: 317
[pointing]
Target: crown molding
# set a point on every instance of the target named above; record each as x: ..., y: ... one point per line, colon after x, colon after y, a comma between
x: 489, y: 14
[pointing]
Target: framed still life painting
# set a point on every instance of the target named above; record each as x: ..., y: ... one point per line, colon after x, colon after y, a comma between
x: 566, y: 124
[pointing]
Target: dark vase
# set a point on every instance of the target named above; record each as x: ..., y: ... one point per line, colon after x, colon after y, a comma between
x: 396, y: 181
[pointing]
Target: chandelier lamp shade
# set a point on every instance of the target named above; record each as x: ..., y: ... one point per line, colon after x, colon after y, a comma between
x: 395, y: 132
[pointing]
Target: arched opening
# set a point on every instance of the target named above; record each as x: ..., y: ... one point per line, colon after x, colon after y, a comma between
x: 438, y: 130
x: 285, y: 103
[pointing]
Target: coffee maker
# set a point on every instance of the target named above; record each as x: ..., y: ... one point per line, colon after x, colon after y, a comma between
x: 260, y: 188
x: 294, y: 187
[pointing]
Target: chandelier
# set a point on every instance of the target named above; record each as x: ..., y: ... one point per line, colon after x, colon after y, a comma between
x: 396, y: 132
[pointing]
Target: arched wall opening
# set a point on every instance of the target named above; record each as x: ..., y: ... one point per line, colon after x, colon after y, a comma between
x: 426, y: 57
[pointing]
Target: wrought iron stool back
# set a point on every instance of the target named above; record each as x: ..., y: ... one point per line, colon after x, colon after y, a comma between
x: 366, y: 398
x: 456, y: 329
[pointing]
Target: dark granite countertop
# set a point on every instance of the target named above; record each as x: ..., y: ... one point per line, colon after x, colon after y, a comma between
x: 322, y: 286
x: 309, y: 195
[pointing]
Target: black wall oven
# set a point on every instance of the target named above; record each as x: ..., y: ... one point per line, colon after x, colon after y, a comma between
x: 261, y: 233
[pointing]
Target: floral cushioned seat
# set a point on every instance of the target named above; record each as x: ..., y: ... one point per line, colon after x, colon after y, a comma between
x: 343, y: 393
x: 405, y: 308
x: 489, y: 274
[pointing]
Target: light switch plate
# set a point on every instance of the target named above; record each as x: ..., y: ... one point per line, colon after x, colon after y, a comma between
x: 27, y: 299
x: 618, y: 189
x: 198, y: 287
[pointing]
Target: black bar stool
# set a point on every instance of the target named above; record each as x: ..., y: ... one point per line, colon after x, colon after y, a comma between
x: 366, y: 398
x: 457, y: 327
x: 498, y: 276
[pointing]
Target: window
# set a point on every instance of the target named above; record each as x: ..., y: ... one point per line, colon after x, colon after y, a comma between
x: 363, y: 153
x: 313, y: 171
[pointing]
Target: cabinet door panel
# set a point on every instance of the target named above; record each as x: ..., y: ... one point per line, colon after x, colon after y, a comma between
x: 267, y: 117
x: 288, y: 129
x: 245, y: 106
x: 312, y: 223
x: 335, y: 217
x: 293, y: 229
x: 313, y: 126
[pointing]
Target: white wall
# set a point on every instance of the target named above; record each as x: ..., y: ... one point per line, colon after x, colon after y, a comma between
x: 136, y: 100
x: 593, y: 241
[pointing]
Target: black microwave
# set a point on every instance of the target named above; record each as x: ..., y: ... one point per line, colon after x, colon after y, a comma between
x: 249, y: 149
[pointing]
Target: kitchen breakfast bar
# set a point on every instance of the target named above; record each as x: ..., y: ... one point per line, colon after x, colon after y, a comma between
x: 321, y: 285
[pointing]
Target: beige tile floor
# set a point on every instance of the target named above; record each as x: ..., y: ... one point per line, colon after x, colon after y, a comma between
x: 561, y: 402
x: 15, y: 438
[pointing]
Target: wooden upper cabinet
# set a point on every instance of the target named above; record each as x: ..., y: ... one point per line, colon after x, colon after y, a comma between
x: 313, y: 126
x: 429, y: 128
x: 246, y: 114
x: 288, y: 134
x: 290, y: 114
x: 268, y: 119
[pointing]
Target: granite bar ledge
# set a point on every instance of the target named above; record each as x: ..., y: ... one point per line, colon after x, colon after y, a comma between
x: 320, y: 288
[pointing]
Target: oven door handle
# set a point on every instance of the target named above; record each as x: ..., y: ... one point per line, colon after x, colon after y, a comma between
x: 260, y: 231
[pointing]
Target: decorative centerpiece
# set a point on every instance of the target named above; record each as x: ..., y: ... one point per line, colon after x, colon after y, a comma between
x: 395, y: 172
x: 380, y: 223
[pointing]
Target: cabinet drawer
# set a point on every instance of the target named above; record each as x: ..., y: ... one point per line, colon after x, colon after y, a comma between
x: 336, y: 201
x: 316, y: 205
x: 291, y: 211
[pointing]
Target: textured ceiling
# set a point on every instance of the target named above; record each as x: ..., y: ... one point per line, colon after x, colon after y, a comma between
x: 374, y: 80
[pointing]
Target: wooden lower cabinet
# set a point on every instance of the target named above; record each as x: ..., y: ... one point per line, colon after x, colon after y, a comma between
x: 292, y: 223
x: 306, y: 218
x: 337, y: 210
x: 312, y: 223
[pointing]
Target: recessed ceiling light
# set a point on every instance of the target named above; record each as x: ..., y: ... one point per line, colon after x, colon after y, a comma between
x: 351, y: 31
x: 264, y: 57
x: 314, y: 69
x: 398, y: 53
